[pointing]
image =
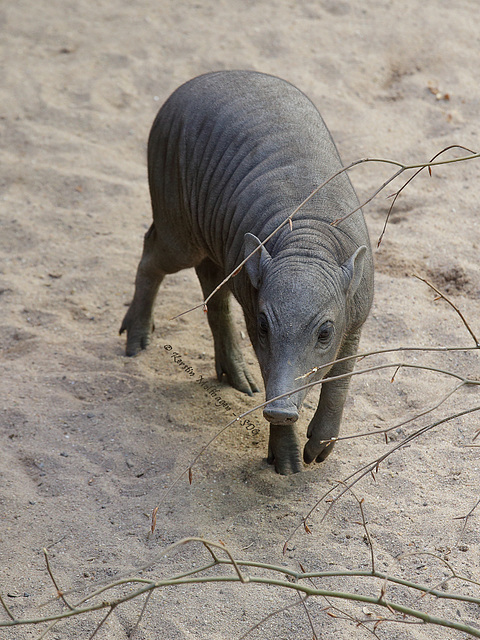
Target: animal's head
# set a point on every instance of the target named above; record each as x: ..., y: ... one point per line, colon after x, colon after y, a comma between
x: 301, y: 315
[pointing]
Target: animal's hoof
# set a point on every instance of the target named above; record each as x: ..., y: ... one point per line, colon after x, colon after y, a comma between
x: 138, y: 334
x: 136, y: 342
x: 318, y: 453
x: 237, y: 374
x: 134, y: 346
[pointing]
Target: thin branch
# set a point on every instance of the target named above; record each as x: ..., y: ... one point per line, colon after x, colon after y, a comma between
x: 470, y: 513
x: 390, y: 605
x: 465, y: 520
x: 50, y: 573
x: 101, y: 623
x: 125, y: 580
x: 261, y: 622
x: 398, y: 425
x: 454, y: 575
x: 309, y: 617
x: 338, y: 221
x: 344, y: 615
x: 295, y: 577
x: 139, y: 619
x: 225, y: 549
x: 7, y: 610
x: 367, y: 532
x: 356, y: 597
x: 364, y: 523
x: 48, y: 629
x: 361, y: 356
x: 444, y: 297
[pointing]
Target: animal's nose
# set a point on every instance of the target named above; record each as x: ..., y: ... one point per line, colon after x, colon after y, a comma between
x: 280, y: 415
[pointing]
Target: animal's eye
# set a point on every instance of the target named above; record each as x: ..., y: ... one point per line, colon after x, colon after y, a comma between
x: 326, y: 332
x: 262, y: 326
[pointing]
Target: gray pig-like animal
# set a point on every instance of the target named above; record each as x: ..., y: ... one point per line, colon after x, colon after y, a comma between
x: 230, y: 155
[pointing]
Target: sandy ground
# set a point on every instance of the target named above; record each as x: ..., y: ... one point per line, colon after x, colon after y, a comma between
x: 90, y: 440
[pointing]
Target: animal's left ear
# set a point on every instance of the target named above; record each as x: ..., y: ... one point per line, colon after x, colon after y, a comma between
x: 352, y: 270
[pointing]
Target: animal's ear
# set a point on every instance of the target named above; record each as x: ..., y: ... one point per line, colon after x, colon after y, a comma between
x: 257, y: 262
x: 352, y: 270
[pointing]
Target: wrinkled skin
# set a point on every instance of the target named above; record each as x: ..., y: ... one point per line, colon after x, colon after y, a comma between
x: 231, y: 154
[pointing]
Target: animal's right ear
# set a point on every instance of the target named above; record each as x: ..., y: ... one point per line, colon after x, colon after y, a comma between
x: 353, y: 270
x: 256, y: 264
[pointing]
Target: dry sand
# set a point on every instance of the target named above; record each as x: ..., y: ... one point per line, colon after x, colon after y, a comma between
x: 89, y: 439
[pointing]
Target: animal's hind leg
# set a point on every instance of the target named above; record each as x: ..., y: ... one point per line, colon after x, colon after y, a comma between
x: 228, y: 356
x: 138, y: 322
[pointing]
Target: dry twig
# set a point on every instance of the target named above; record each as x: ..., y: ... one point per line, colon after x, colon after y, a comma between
x: 278, y: 576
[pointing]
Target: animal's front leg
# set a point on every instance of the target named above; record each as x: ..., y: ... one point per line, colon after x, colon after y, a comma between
x: 229, y: 360
x: 284, y: 449
x: 325, y: 424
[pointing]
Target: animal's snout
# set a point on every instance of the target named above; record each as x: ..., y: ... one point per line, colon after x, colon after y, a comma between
x: 280, y: 415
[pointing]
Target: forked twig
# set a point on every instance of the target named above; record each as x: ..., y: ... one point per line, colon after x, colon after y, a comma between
x: 344, y: 615
x: 398, y: 425
x: 372, y: 466
x: 440, y: 585
x: 60, y: 593
x: 466, y: 519
x: 397, y: 193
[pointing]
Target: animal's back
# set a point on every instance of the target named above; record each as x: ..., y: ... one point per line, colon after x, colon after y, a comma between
x: 235, y: 152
